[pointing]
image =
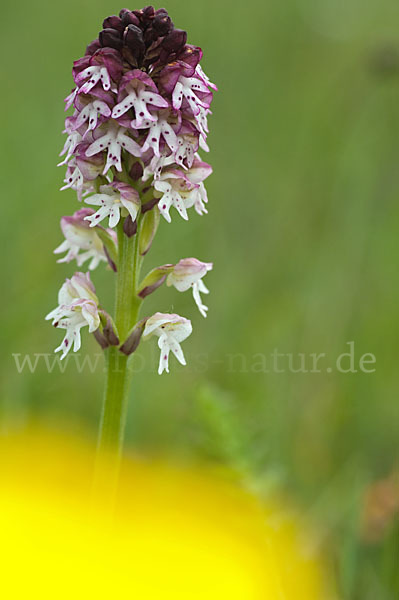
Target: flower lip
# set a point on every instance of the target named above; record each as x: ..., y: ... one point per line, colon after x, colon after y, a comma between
x: 171, y: 329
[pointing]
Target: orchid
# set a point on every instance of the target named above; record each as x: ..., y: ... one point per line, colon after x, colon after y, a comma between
x: 72, y: 141
x: 80, y: 236
x: 141, y: 94
x: 103, y: 68
x: 158, y: 128
x: 188, y: 273
x: 113, y: 138
x: 93, y: 75
x: 82, y: 171
x: 77, y: 308
x: 183, y: 189
x: 90, y: 113
x: 113, y: 199
x: 171, y: 329
x: 140, y: 108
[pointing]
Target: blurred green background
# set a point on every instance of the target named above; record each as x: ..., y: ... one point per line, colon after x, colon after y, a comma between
x: 302, y: 228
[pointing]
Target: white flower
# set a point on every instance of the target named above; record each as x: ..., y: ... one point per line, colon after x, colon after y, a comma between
x: 93, y: 75
x: 114, y: 139
x: 141, y: 92
x: 154, y: 169
x: 198, y: 198
x: 90, y: 113
x: 188, y: 146
x: 171, y: 330
x: 187, y: 87
x: 70, y: 99
x: 201, y: 122
x: 200, y: 72
x: 156, y: 128
x: 188, y: 273
x: 73, y: 139
x: 80, y: 236
x: 174, y: 189
x: 74, y: 178
x: 77, y: 308
x: 114, y: 198
x: 183, y: 189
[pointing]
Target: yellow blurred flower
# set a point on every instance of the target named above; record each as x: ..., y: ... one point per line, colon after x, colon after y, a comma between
x: 177, y: 534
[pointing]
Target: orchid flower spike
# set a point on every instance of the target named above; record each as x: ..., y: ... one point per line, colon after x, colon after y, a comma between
x: 188, y: 273
x: 77, y: 308
x: 171, y: 329
x: 138, y: 117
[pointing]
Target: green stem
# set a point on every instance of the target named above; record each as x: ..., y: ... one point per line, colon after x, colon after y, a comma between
x: 127, y: 307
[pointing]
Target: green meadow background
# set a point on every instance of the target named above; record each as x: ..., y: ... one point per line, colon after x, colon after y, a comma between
x: 303, y: 232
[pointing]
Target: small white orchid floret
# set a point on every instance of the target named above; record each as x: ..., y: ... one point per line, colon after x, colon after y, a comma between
x: 80, y: 236
x: 113, y: 138
x: 140, y: 93
x: 113, y: 199
x: 171, y: 329
x: 186, y: 87
x: 156, y: 128
x: 183, y: 189
x: 188, y: 273
x: 90, y: 114
x: 72, y: 141
x: 93, y: 75
x: 77, y: 308
x: 154, y: 169
x: 200, y: 72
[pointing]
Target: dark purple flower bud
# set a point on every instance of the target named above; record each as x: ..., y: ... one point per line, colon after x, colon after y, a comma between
x: 108, y: 329
x: 111, y: 38
x: 128, y: 18
x: 129, y: 226
x: 136, y: 171
x: 154, y: 279
x: 100, y: 338
x: 113, y: 22
x: 132, y: 342
x: 162, y: 23
x: 150, y: 35
x: 191, y: 55
x: 133, y: 38
x: 93, y: 47
x: 145, y: 15
x: 149, y: 205
x: 149, y: 289
x: 174, y: 40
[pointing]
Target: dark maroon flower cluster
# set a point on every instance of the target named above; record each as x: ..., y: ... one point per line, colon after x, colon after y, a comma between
x: 140, y: 107
x: 143, y: 37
